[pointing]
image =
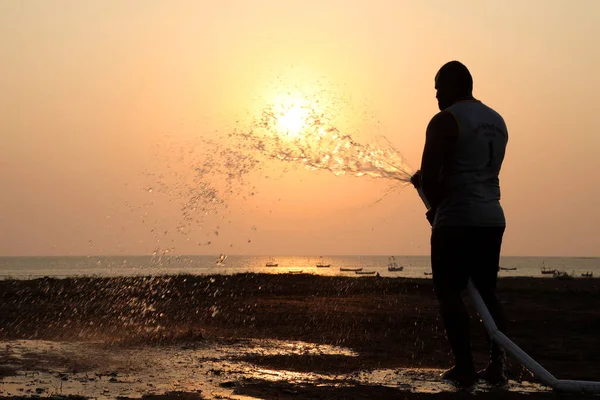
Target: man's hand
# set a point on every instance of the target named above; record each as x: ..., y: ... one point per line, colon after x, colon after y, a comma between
x: 416, y: 179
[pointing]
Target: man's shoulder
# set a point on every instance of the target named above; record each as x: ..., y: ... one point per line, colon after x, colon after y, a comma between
x: 443, y: 123
x: 491, y: 110
x: 473, y: 107
x: 442, y: 117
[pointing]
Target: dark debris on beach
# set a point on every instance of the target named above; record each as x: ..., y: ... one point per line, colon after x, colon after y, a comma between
x: 389, y: 322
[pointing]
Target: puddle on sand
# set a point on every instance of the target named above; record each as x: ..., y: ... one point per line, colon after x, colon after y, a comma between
x: 212, y: 368
x: 427, y: 380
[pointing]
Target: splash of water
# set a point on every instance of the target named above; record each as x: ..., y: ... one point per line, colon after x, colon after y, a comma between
x: 203, y: 177
x: 320, y: 145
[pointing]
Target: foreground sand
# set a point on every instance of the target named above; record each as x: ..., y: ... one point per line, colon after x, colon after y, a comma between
x: 274, y: 336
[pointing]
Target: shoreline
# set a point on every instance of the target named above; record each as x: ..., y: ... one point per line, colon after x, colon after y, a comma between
x: 285, y: 271
x: 139, y: 266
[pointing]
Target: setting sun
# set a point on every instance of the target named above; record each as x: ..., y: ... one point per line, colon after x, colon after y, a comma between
x: 293, y: 114
x: 292, y: 120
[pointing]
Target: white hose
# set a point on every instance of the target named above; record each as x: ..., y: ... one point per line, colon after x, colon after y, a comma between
x: 559, y: 385
x: 524, y: 358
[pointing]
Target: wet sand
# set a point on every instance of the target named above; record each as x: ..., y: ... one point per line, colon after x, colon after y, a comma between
x: 275, y: 336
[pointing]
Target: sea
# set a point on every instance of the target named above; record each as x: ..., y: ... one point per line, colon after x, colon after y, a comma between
x: 414, y: 266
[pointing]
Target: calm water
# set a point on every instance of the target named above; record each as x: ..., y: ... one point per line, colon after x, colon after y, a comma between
x: 414, y: 266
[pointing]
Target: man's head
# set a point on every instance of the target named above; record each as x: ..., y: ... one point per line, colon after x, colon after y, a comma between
x: 453, y: 82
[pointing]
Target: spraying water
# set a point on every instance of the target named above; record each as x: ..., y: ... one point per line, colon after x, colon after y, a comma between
x: 303, y: 135
x: 298, y: 132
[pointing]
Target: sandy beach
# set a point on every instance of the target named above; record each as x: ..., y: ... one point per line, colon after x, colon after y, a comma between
x: 274, y: 337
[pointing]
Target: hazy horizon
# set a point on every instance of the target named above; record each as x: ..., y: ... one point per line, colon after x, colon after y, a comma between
x: 123, y: 123
x: 272, y: 255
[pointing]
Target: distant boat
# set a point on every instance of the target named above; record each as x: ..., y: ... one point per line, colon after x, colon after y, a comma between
x: 588, y: 275
x: 221, y: 259
x: 548, y: 271
x: 393, y: 265
x: 295, y: 271
x: 427, y: 273
x: 271, y: 263
x: 321, y: 264
x: 364, y: 272
x: 350, y: 269
x: 508, y: 268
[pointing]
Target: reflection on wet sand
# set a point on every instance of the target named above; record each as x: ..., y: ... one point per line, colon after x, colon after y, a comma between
x: 230, y: 368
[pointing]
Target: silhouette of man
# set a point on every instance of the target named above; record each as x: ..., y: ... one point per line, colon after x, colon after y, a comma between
x: 464, y: 149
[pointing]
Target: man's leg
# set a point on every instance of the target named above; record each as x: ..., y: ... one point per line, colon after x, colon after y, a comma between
x: 450, y: 276
x: 485, y: 277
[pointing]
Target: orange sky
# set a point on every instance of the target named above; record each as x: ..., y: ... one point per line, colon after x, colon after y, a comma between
x: 98, y: 99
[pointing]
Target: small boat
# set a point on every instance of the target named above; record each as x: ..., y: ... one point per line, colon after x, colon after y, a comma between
x: 364, y: 272
x: 428, y: 273
x: 350, y: 269
x: 271, y: 263
x: 221, y: 259
x: 321, y: 264
x: 393, y: 265
x: 588, y: 275
x: 295, y: 271
x: 508, y: 268
x: 547, y: 271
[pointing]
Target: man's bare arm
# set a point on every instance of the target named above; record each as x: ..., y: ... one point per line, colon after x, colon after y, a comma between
x: 442, y: 134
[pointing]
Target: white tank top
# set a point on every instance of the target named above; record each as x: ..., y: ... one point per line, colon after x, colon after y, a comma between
x: 471, y: 176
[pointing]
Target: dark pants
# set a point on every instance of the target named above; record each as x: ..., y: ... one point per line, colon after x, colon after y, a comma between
x: 457, y: 254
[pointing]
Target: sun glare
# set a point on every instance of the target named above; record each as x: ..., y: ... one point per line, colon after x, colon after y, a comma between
x: 295, y: 113
x: 292, y: 120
